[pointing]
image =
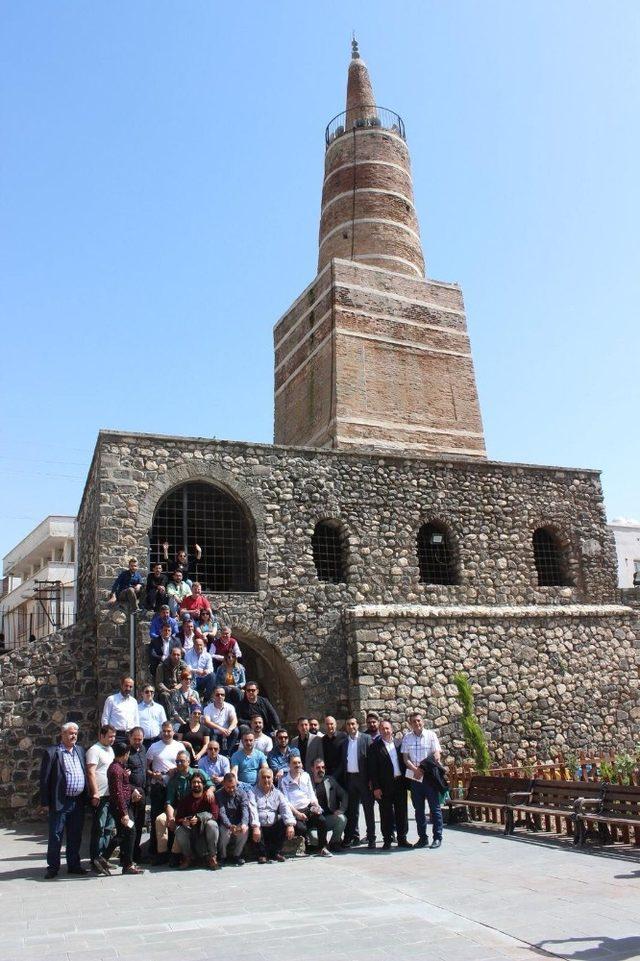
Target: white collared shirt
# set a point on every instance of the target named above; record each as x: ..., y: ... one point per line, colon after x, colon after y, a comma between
x: 352, y: 755
x: 393, y: 755
x: 418, y: 747
x: 152, y: 717
x: 298, y: 791
x: 121, y: 712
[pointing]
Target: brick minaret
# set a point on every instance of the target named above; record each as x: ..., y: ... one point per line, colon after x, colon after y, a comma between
x: 372, y: 354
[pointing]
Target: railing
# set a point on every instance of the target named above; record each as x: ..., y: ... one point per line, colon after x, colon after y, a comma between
x: 362, y: 118
x: 20, y: 627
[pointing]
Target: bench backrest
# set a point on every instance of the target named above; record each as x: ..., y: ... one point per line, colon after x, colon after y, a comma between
x: 562, y: 794
x: 495, y: 789
x: 622, y: 801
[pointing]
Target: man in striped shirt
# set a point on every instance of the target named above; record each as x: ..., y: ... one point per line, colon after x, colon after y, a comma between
x: 416, y: 746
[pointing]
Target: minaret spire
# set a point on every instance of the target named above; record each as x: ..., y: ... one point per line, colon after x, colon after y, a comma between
x: 360, y: 99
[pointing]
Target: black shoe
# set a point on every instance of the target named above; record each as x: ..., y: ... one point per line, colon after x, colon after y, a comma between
x: 435, y: 843
x: 161, y: 859
x: 174, y: 860
x: 235, y: 862
x: 50, y: 874
x: 421, y: 843
x: 79, y: 870
x: 405, y: 844
x: 386, y: 846
x: 345, y: 844
x: 371, y: 845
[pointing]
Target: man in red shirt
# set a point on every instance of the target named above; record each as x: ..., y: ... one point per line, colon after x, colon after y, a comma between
x: 121, y: 796
x: 197, y: 825
x: 196, y: 602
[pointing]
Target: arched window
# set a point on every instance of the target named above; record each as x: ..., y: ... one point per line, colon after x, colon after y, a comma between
x: 436, y: 555
x: 200, y: 513
x: 329, y: 552
x: 550, y: 559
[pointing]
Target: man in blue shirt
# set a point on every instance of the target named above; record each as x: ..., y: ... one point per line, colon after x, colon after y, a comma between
x: 127, y: 587
x: 278, y: 758
x: 159, y: 620
x: 246, y: 762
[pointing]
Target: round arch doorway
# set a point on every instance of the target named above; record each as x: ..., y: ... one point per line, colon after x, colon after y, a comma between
x: 274, y: 675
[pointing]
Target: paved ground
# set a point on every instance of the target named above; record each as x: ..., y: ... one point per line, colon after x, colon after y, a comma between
x: 481, y: 897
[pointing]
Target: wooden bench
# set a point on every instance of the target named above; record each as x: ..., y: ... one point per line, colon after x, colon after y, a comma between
x: 617, y: 807
x: 551, y: 800
x: 487, y: 793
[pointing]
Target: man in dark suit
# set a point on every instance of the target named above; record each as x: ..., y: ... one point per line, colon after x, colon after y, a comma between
x: 63, y: 793
x: 333, y: 800
x: 309, y: 745
x: 333, y: 750
x: 386, y: 773
x: 356, y: 765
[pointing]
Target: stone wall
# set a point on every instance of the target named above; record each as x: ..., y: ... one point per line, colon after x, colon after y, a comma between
x: 545, y: 679
x: 42, y: 685
x: 292, y: 622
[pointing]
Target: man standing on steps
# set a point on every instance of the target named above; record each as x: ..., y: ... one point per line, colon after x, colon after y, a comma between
x: 63, y: 794
x: 418, y: 745
x: 121, y: 709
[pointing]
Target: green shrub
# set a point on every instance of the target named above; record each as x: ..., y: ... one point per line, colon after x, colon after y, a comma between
x: 474, y: 736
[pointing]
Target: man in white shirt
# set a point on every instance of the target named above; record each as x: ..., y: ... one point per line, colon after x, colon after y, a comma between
x: 261, y: 740
x: 222, y: 721
x: 199, y: 660
x: 161, y: 764
x: 99, y: 757
x: 418, y: 745
x: 152, y: 716
x: 356, y: 766
x: 121, y: 709
x: 297, y: 788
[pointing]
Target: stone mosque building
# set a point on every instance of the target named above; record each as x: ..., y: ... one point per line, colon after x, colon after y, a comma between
x: 372, y: 551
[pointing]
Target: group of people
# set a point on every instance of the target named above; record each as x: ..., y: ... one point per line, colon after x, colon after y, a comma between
x: 207, y: 794
x: 204, y: 756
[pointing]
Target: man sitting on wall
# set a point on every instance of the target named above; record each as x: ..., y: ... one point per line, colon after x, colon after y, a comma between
x: 159, y: 647
x: 127, y: 587
x: 298, y: 790
x: 222, y: 644
x: 159, y: 620
x: 332, y: 799
x: 202, y: 668
x: 168, y: 676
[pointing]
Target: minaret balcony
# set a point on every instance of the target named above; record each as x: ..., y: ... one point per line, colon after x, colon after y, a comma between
x: 364, y: 117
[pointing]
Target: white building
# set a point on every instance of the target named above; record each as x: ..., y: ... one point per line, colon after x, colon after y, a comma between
x: 38, y: 587
x: 627, y: 537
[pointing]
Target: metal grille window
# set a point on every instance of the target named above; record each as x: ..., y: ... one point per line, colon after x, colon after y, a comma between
x: 436, y: 557
x: 549, y: 559
x: 203, y: 514
x: 328, y: 552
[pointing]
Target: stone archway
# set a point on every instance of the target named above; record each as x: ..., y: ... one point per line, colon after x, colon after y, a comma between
x: 273, y: 673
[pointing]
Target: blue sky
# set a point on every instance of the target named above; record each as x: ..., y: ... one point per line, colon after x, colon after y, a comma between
x: 160, y: 183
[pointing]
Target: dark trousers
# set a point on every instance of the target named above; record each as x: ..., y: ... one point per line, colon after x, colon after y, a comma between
x: 271, y: 840
x: 101, y: 829
x: 314, y: 822
x: 204, y: 687
x: 157, y: 797
x: 125, y: 839
x: 69, y: 820
x: 421, y: 791
x: 393, y: 810
x: 138, y: 814
x: 227, y: 744
x: 359, y: 793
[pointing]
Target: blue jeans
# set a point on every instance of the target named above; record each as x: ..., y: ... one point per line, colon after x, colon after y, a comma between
x: 71, y: 820
x: 421, y: 792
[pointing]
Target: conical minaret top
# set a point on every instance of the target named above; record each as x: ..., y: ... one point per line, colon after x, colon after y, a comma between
x: 368, y: 214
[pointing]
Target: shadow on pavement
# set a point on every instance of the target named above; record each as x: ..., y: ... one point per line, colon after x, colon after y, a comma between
x: 614, y: 949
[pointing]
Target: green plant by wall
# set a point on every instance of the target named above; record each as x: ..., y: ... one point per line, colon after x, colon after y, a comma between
x: 474, y: 736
